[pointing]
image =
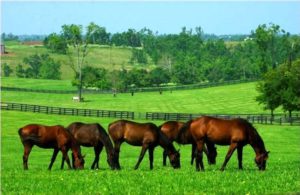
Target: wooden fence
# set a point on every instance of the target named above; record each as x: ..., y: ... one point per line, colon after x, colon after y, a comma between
x: 67, y: 111
x: 254, y: 118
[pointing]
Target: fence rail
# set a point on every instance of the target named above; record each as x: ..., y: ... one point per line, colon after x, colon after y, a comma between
x: 254, y: 118
x: 67, y: 111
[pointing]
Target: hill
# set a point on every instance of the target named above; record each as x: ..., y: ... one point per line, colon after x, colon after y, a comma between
x: 98, y: 56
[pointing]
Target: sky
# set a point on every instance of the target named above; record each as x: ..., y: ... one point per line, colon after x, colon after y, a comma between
x: 164, y: 17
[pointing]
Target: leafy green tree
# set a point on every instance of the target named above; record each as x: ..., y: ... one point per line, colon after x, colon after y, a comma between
x: 73, y: 35
x: 99, y: 35
x: 6, y: 70
x: 269, y: 90
x: 138, y: 56
x: 20, y: 72
x: 158, y: 76
x: 49, y: 69
x: 34, y: 62
x: 56, y: 43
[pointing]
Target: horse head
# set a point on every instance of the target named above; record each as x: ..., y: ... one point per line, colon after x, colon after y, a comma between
x: 79, y: 162
x: 261, y: 160
x: 175, y: 159
x: 112, y: 160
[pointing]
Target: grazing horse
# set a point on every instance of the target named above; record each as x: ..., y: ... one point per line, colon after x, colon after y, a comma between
x: 146, y: 135
x: 236, y: 133
x: 172, y: 128
x: 93, y: 135
x: 56, y: 137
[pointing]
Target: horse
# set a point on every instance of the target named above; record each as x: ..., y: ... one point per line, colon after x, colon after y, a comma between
x: 93, y: 135
x: 56, y: 137
x: 235, y: 132
x: 146, y: 135
x: 172, y: 128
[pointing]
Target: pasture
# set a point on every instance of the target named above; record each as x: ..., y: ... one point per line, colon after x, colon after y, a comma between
x: 282, y: 174
x: 230, y: 99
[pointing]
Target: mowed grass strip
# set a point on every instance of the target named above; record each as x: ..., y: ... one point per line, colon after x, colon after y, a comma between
x: 229, y: 99
x: 282, y: 174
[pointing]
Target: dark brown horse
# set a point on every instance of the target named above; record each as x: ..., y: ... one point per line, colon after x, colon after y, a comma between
x: 171, y: 130
x: 56, y: 137
x: 236, y: 133
x: 146, y: 135
x: 93, y: 135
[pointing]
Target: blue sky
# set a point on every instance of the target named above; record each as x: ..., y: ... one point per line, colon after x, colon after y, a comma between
x: 222, y: 17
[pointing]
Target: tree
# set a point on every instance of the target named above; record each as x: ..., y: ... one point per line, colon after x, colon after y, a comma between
x: 40, y: 66
x: 269, y: 95
x: 269, y: 40
x: 7, y: 70
x: 73, y: 34
x: 56, y: 43
x: 20, y: 72
x: 158, y: 76
x: 50, y: 69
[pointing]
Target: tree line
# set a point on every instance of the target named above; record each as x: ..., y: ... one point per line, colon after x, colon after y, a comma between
x: 186, y: 58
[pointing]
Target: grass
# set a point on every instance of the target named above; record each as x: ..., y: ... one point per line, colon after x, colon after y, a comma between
x: 98, y: 56
x: 282, y: 174
x: 230, y: 99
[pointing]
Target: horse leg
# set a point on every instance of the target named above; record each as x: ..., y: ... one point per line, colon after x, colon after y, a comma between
x: 199, y: 155
x: 193, y: 153
x: 53, y: 158
x: 64, y: 151
x: 240, y: 156
x: 97, y: 150
x: 117, y: 152
x: 165, y: 154
x: 151, y: 149
x: 228, y: 155
x: 143, y: 151
x: 27, y: 150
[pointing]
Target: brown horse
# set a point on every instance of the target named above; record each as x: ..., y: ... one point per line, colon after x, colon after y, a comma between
x: 236, y: 133
x: 56, y: 137
x: 93, y: 135
x: 146, y: 135
x: 171, y: 130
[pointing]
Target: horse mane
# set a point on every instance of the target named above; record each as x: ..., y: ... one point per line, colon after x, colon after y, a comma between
x: 254, y: 137
x: 164, y: 141
x: 105, y: 137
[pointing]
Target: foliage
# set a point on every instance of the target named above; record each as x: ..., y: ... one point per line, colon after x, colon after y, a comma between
x: 56, y: 43
x: 95, y: 78
x: 138, y: 56
x: 40, y: 66
x: 280, y: 87
x: 6, y: 70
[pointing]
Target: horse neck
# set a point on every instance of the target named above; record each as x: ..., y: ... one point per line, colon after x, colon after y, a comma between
x: 106, y: 142
x: 256, y: 142
x: 165, y: 143
x: 75, y: 148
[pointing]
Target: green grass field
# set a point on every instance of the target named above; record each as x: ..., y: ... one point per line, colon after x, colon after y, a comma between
x: 281, y: 177
x: 230, y: 99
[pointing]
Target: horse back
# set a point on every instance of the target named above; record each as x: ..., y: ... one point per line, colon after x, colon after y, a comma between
x: 220, y: 131
x: 171, y: 129
x: 44, y: 136
x: 132, y: 132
